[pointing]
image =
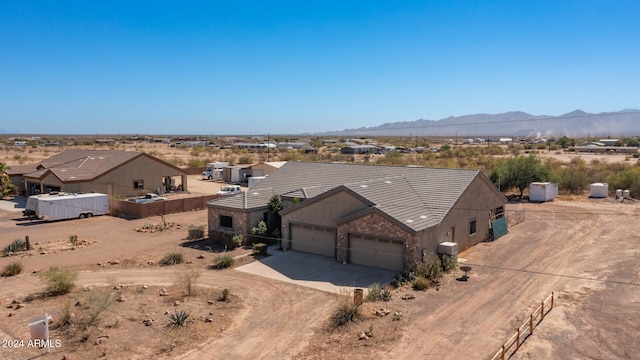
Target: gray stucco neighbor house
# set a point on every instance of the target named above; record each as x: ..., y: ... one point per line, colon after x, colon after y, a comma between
x: 381, y: 216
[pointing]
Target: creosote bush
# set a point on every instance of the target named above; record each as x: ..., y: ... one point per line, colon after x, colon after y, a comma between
x: 174, y: 258
x: 60, y: 280
x: 187, y: 281
x: 421, y: 284
x: 196, y: 232
x: 224, y: 295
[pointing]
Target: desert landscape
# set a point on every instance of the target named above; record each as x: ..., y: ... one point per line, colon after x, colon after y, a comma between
x: 582, y: 250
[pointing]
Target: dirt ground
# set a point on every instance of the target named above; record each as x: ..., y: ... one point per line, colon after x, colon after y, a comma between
x: 585, y: 251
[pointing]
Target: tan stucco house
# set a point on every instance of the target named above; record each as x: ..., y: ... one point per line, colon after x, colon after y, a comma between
x: 381, y: 216
x: 112, y: 172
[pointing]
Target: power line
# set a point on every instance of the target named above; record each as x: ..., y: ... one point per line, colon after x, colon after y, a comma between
x: 554, y: 274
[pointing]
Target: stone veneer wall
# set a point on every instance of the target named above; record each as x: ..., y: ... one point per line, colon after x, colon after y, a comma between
x: 377, y: 225
x: 240, y: 223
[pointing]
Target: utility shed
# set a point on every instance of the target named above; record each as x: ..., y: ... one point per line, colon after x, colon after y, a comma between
x: 543, y: 191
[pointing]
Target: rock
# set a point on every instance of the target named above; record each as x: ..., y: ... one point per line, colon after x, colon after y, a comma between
x: 167, y: 312
x: 211, y: 313
x: 210, y: 302
x: 163, y: 292
x: 408, y: 297
x: 87, y: 288
x: 177, y: 303
x: 121, y: 298
x: 14, y: 301
x: 209, y: 320
x: 200, y: 257
x: 382, y: 312
x: 189, y: 262
x: 147, y: 322
x: 79, y: 303
x: 66, y: 357
x: 20, y: 306
x: 145, y: 287
x: 363, y: 336
x: 150, y: 262
x: 102, y: 339
x: 99, y: 264
x: 115, y: 262
x: 10, y: 314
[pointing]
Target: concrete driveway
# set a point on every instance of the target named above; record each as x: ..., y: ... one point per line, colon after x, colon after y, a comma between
x: 314, y: 271
x: 15, y: 204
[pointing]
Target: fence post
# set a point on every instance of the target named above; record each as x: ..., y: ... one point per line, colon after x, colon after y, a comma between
x: 552, y: 299
x: 542, y: 312
x: 518, y: 340
x: 531, y: 323
x: 502, y: 351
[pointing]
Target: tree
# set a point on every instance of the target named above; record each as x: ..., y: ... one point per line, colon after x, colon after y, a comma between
x: 6, y: 186
x: 275, y: 205
x: 518, y: 172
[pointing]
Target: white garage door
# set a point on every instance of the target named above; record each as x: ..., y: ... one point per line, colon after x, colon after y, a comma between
x: 376, y: 252
x: 314, y: 239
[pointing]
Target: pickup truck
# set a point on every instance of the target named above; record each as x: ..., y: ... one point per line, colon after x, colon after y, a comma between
x: 230, y: 190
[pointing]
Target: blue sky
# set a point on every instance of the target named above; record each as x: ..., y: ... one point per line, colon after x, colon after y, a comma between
x: 286, y: 67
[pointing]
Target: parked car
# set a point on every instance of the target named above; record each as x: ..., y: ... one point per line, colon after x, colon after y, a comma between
x: 230, y: 190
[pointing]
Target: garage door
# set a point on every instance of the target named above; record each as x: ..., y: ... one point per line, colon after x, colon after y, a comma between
x: 376, y: 252
x: 314, y: 239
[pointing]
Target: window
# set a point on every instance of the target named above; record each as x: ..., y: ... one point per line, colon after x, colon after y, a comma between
x: 226, y: 221
x: 472, y: 227
x: 138, y: 184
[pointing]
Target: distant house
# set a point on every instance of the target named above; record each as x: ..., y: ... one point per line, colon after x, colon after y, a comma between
x: 112, y: 172
x: 609, y: 142
x: 381, y: 216
x: 266, y: 168
x: 360, y: 149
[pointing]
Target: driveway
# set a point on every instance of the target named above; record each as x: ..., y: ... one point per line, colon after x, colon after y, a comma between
x: 15, y: 204
x: 315, y: 271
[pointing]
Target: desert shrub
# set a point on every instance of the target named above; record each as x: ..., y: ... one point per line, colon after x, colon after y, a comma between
x: 224, y: 295
x: 448, y: 262
x: 222, y: 262
x: 378, y: 293
x: 12, y: 269
x: 245, y: 159
x: 178, y: 319
x: 95, y: 304
x: 421, y: 283
x: 260, y: 248
x: 73, y: 239
x: 60, y: 280
x: 15, y: 246
x: 196, y: 232
x: 174, y: 258
x: 65, y: 314
x: 430, y: 269
x: 236, y: 240
x: 375, y: 290
x: 187, y: 281
x: 344, y: 314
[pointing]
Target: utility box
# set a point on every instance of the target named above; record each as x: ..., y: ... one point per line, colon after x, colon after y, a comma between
x: 543, y: 191
x: 448, y: 248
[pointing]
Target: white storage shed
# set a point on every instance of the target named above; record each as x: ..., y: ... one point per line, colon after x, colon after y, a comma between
x: 543, y: 191
x: 599, y: 190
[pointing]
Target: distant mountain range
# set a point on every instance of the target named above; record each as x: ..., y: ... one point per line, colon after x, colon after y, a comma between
x: 515, y: 123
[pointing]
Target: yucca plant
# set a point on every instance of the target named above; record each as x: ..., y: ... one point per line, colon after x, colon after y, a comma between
x: 178, y: 319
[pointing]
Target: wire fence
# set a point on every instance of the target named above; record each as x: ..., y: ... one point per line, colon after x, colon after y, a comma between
x: 525, y: 330
x: 515, y: 217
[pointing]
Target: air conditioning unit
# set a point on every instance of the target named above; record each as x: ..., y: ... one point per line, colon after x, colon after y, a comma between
x: 448, y: 248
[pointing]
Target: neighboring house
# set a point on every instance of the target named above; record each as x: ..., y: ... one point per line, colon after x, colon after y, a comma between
x: 112, y: 172
x: 360, y: 149
x: 381, y: 216
x: 266, y: 168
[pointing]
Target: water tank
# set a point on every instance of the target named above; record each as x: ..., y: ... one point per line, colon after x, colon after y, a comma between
x: 626, y: 194
x: 618, y: 193
x: 599, y: 190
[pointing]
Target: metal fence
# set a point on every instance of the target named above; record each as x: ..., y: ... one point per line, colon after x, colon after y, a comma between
x: 515, y: 217
x: 522, y: 333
